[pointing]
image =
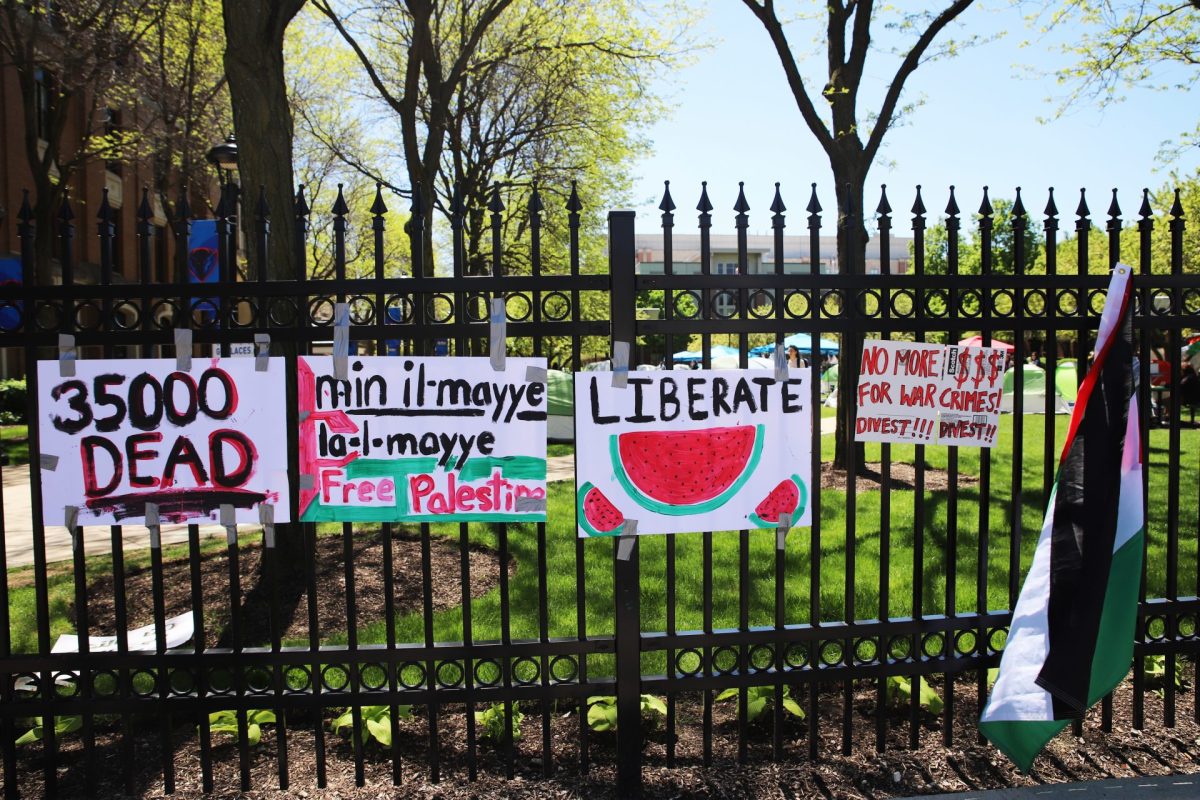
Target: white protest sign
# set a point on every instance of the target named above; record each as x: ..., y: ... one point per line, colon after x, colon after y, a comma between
x: 134, y: 431
x: 918, y: 393
x: 692, y: 450
x: 406, y: 439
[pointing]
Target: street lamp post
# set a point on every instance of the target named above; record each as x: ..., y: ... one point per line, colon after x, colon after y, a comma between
x: 224, y: 157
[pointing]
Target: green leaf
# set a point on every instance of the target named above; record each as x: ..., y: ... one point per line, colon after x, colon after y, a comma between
x: 253, y: 734
x: 381, y: 730
x: 654, y: 704
x: 931, y: 701
x: 346, y: 720
x: 602, y: 717
x: 62, y: 726
x: 755, y: 706
x: 992, y: 674
x: 260, y: 716
x: 792, y: 707
x: 728, y: 694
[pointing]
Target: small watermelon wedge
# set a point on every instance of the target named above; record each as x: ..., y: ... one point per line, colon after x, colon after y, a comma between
x: 789, y: 497
x: 597, y: 515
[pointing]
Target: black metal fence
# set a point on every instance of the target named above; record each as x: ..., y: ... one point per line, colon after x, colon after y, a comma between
x: 900, y: 577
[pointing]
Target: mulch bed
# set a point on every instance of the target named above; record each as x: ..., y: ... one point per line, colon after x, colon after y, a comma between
x: 903, y: 476
x: 931, y: 768
x: 293, y: 598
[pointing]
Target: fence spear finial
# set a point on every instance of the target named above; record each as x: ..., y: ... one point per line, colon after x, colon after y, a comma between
x: 667, y: 205
x: 1082, y: 209
x: 704, y: 206
x: 814, y: 205
x: 1145, y: 211
x: 573, y: 203
x: 1114, y: 210
x: 884, y: 208
x: 741, y: 206
x: 985, y: 207
x: 777, y: 206
x: 378, y: 207
x: 952, y: 209
x: 1051, y: 208
x: 1018, y: 208
x: 918, y: 209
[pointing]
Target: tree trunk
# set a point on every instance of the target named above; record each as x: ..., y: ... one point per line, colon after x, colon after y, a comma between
x: 262, y: 119
x: 852, y: 260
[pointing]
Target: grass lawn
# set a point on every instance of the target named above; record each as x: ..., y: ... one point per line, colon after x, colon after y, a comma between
x: 14, y: 439
x: 946, y: 552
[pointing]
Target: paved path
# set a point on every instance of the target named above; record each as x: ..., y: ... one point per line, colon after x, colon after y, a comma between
x: 18, y: 518
x: 1172, y: 787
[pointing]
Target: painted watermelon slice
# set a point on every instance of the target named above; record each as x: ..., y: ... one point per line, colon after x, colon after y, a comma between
x: 790, y: 496
x: 686, y: 472
x: 597, y: 515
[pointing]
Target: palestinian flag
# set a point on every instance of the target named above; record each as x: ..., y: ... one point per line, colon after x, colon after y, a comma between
x: 1071, y: 640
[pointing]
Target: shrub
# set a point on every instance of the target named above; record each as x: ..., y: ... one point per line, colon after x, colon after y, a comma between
x: 602, y: 711
x: 376, y: 722
x: 759, y: 698
x: 492, y: 722
x: 226, y: 722
x: 12, y: 401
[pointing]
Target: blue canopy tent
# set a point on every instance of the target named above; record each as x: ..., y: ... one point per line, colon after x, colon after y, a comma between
x: 716, y: 351
x: 802, y: 342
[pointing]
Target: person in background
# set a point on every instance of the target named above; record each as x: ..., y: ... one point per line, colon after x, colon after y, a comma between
x: 793, y: 357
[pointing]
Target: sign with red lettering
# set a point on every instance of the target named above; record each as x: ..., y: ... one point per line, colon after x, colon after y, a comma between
x: 918, y: 393
x: 692, y: 450
x: 406, y: 439
x: 124, y: 433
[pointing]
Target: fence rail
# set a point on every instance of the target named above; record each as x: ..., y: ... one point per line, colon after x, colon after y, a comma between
x: 901, y: 579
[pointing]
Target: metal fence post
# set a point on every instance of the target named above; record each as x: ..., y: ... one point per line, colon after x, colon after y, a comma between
x: 621, y: 267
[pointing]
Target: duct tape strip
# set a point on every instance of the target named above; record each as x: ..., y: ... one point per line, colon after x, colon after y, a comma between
x: 266, y: 515
x: 341, y: 340
x: 535, y: 375
x: 71, y: 518
x: 302, y: 416
x: 781, y: 363
x: 620, y: 365
x: 626, y: 540
x: 262, y: 351
x: 497, y: 333
x: 781, y: 532
x: 529, y: 505
x: 306, y: 481
x: 154, y: 524
x: 229, y: 520
x: 183, y: 349
x: 66, y: 355
x: 48, y: 462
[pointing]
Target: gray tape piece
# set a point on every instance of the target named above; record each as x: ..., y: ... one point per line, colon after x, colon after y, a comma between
x: 183, y: 349
x: 71, y: 517
x: 625, y: 547
x: 266, y: 515
x: 535, y: 375
x: 629, y: 528
x: 497, y: 333
x: 228, y: 514
x: 620, y: 365
x: 153, y: 523
x: 526, y: 505
x: 48, y: 462
x: 781, y: 363
x: 781, y: 531
x: 262, y: 351
x: 66, y: 355
x: 341, y: 340
x: 306, y: 482
x: 302, y: 416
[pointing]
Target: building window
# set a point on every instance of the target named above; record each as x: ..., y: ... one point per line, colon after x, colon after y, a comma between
x: 42, y: 81
x: 725, y: 304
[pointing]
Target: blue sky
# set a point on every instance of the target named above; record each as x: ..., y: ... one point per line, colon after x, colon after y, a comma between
x: 735, y: 120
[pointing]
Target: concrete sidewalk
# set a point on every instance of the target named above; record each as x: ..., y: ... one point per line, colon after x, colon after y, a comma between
x: 1171, y: 787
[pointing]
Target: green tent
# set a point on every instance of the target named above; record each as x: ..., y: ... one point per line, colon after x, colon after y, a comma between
x: 560, y: 402
x: 1066, y: 380
x: 1034, y: 390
